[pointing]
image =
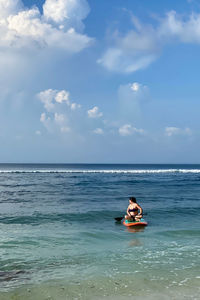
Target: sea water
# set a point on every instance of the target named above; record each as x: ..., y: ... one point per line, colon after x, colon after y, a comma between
x: 59, y: 239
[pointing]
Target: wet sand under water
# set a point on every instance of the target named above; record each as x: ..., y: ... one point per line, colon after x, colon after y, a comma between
x: 119, y: 288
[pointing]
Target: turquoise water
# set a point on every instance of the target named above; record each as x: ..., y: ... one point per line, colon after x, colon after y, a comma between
x: 58, y: 233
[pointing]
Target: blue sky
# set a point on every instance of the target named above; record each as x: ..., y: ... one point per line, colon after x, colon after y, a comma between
x: 99, y: 81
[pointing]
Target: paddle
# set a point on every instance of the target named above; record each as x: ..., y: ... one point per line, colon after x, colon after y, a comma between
x: 119, y: 219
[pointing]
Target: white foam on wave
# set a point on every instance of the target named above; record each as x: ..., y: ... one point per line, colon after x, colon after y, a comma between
x: 142, y: 171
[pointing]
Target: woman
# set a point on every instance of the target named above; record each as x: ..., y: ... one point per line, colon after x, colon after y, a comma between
x: 134, y: 210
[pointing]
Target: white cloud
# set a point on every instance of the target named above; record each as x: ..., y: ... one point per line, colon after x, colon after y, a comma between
x: 135, y: 86
x: 128, y: 129
x: 75, y: 106
x: 94, y: 112
x: 43, y: 117
x: 132, y: 91
x: 133, y: 51
x: 169, y: 131
x: 22, y: 27
x: 98, y: 131
x: 174, y: 131
x: 183, y: 30
x: 9, y: 7
x: 142, y: 44
x: 47, y: 98
x: 62, y: 96
x: 58, y: 109
x: 38, y: 132
x: 47, y: 122
x: 69, y: 13
x: 62, y: 115
x: 50, y: 98
x: 118, y: 60
x: 59, y: 118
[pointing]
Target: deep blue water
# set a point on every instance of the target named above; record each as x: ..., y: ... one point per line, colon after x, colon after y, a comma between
x: 57, y: 221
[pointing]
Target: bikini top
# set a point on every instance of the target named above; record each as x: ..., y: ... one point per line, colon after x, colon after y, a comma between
x: 133, y: 209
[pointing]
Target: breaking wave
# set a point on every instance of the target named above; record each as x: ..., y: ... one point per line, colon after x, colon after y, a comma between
x: 113, y: 171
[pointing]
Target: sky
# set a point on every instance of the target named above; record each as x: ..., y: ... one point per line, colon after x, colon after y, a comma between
x: 99, y: 81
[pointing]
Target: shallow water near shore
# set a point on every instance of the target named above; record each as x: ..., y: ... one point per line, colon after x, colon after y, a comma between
x: 59, y: 239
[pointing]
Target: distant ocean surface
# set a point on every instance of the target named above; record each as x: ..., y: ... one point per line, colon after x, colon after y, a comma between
x: 59, y: 239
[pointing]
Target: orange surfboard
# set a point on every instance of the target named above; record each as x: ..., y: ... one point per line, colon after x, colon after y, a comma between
x: 128, y: 223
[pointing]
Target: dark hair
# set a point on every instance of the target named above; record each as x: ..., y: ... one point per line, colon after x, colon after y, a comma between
x: 133, y: 199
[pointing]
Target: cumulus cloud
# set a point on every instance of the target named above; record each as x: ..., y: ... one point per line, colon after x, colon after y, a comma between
x: 128, y: 129
x: 47, y: 98
x: 52, y: 97
x: 135, y: 86
x: 64, y: 115
x: 61, y: 96
x: 9, y: 7
x: 57, y: 105
x: 174, y: 131
x: 142, y: 44
x: 94, y: 112
x: 68, y: 13
x: 132, y: 92
x: 135, y: 90
x: 22, y: 27
x: 98, y: 131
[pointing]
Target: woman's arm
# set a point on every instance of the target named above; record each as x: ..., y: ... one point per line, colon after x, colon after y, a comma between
x: 128, y: 211
x: 140, y: 208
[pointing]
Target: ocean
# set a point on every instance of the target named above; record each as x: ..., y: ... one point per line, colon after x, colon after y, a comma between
x: 59, y: 239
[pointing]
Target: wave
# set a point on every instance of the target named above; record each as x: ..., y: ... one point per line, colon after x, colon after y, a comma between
x: 113, y: 171
x: 40, y: 218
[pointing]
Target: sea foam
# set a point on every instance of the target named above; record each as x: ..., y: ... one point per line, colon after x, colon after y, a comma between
x: 110, y: 171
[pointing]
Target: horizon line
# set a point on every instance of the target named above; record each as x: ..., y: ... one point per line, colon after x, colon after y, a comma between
x: 86, y: 163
